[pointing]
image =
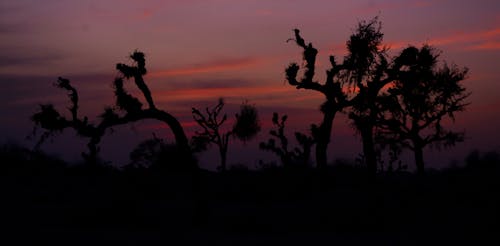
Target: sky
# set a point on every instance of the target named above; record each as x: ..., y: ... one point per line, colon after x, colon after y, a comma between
x: 200, y: 50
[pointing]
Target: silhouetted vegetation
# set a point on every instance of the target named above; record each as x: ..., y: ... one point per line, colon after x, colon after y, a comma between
x: 392, y: 102
x: 40, y: 197
x: 368, y: 71
x: 354, y: 84
x: 245, y: 127
x: 158, y: 155
x: 422, y: 97
x: 336, y: 99
x: 128, y: 109
x: 487, y: 162
x: 297, y: 156
x: 19, y: 160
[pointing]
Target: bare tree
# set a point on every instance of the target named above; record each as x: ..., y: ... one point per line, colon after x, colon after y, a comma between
x: 424, y: 95
x: 128, y: 109
x: 245, y: 128
x: 288, y: 157
x: 332, y: 90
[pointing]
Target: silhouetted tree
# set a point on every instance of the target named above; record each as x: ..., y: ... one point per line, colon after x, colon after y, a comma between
x: 367, y: 72
x: 332, y: 90
x: 356, y: 82
x: 422, y: 97
x: 297, y: 156
x: 246, y: 126
x: 128, y: 109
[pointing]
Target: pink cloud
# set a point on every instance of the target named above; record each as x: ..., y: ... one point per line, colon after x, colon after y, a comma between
x: 379, y: 6
x: 264, y: 12
x: 210, y: 67
x: 488, y: 39
x: 480, y: 40
x: 201, y: 93
x: 145, y: 14
x: 494, y: 45
x: 464, y: 37
x: 261, y: 95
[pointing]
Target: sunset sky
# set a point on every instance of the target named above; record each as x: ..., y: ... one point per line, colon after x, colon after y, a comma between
x: 200, y: 50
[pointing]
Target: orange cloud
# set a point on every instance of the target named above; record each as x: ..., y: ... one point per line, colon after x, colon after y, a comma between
x: 210, y: 67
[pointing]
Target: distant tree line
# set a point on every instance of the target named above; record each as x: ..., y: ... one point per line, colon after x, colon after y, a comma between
x: 393, y: 102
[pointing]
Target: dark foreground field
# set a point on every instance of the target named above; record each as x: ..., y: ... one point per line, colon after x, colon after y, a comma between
x: 79, y: 205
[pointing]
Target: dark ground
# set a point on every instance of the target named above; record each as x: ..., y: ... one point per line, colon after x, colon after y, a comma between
x: 44, y: 200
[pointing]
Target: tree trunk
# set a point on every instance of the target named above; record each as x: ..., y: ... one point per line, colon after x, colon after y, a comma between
x: 181, y: 139
x: 285, y: 159
x: 223, y: 158
x: 139, y: 81
x: 176, y: 127
x: 419, y: 159
x: 91, y: 157
x: 369, y: 148
x: 323, y: 138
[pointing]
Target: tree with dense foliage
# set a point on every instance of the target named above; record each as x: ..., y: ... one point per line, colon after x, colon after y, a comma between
x: 424, y: 95
x: 246, y: 127
x: 354, y: 83
x: 367, y: 72
x: 128, y: 109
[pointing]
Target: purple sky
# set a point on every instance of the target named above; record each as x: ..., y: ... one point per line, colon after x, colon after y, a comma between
x: 199, y: 50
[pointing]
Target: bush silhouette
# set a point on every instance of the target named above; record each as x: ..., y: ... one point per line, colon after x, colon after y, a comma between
x: 485, y: 162
x: 158, y: 155
x: 288, y: 157
x: 19, y: 160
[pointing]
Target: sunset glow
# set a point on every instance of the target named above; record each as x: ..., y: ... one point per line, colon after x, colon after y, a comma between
x: 199, y: 51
